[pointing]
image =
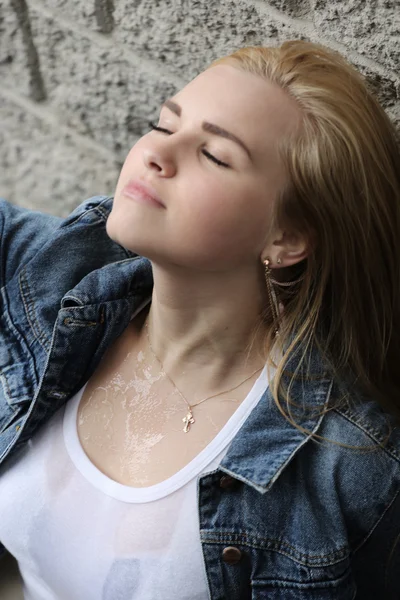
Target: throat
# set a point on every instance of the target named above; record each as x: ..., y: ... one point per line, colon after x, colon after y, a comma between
x: 200, y: 377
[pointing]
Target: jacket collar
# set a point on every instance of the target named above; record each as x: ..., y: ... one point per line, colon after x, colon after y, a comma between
x: 267, y: 441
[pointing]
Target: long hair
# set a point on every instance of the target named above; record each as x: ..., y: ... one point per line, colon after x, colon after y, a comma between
x: 343, y: 194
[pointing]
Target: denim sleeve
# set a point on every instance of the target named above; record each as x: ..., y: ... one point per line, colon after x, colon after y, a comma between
x: 22, y: 233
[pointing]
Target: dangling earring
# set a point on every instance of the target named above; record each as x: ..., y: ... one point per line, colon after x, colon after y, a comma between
x: 273, y: 301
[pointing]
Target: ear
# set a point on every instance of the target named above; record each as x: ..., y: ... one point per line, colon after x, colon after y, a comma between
x: 287, y: 249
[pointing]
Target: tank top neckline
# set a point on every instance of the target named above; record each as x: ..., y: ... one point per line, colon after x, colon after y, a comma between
x: 217, y: 447
x: 154, y: 492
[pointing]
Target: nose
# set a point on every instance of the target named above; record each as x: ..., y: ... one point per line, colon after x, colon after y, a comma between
x: 157, y: 161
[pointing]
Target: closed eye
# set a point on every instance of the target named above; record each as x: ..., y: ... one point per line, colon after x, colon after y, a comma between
x: 210, y: 156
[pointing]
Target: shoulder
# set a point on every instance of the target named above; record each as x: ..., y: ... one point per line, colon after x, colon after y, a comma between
x: 354, y: 465
x: 24, y: 232
x: 357, y: 421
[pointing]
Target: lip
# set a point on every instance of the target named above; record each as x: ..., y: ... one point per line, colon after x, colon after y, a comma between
x: 138, y: 190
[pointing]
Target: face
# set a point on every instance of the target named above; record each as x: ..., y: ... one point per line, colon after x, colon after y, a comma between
x: 216, y: 216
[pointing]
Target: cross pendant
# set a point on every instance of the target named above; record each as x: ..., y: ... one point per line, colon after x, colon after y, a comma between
x: 188, y: 420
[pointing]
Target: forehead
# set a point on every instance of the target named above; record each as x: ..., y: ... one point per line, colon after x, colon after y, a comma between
x: 253, y: 108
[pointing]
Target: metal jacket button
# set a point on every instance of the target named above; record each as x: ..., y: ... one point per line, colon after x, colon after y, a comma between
x: 227, y: 482
x: 231, y: 555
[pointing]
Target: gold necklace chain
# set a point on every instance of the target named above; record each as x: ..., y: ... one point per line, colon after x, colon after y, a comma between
x: 189, y: 419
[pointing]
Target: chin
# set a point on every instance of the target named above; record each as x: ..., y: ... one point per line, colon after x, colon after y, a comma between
x: 112, y: 229
x: 120, y: 232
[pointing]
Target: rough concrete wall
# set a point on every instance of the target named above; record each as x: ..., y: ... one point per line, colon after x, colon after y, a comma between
x: 81, y: 78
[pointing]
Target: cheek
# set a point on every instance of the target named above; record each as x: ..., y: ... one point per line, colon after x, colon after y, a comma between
x: 226, y: 221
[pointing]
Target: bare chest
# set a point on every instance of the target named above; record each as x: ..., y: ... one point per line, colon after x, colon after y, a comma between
x: 130, y: 418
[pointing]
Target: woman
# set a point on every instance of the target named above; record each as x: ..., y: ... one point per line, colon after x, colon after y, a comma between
x: 225, y: 331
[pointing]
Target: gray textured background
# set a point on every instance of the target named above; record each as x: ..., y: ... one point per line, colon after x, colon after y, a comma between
x: 81, y: 78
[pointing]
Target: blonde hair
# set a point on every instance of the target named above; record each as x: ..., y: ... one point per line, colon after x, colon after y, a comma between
x: 343, y: 193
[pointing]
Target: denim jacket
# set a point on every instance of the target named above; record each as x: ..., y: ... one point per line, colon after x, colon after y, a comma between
x: 284, y: 516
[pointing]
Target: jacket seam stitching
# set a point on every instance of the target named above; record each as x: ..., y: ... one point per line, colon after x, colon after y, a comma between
x: 376, y: 524
x: 367, y: 433
x: 97, y: 209
x: 30, y: 310
x: 278, y: 546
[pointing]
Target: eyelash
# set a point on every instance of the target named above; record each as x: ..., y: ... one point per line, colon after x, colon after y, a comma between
x: 210, y: 156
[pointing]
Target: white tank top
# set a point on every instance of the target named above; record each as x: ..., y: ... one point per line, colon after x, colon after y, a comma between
x: 79, y: 535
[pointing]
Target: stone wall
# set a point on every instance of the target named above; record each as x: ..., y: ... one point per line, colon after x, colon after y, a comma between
x: 81, y: 78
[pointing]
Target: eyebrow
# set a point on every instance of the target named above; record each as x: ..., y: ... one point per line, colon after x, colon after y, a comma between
x: 210, y: 127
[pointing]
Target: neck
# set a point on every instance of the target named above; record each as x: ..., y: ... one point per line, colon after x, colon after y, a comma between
x: 202, y: 325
